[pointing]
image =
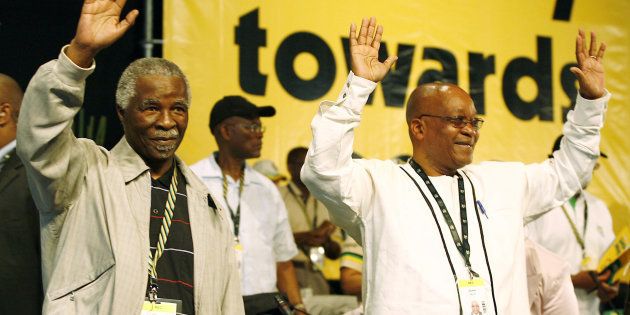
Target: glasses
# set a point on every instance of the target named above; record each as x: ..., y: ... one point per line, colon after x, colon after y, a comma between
x: 459, y: 121
x: 253, y: 128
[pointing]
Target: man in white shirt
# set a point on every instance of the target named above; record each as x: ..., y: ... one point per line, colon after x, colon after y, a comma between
x: 421, y: 252
x: 579, y: 231
x: 258, y: 218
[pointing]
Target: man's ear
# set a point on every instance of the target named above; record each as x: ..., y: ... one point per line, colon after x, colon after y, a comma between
x: 417, y: 128
x: 6, y: 114
x: 224, y: 131
x: 120, y: 112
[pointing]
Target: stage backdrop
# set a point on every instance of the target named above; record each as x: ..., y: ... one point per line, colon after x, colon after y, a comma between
x: 512, y: 56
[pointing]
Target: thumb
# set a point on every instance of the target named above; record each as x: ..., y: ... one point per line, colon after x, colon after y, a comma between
x: 577, y: 72
x: 390, y: 61
x: 129, y: 20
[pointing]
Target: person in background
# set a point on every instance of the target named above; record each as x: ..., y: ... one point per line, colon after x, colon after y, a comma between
x: 269, y: 169
x: 579, y: 231
x: 20, y: 263
x: 263, y: 242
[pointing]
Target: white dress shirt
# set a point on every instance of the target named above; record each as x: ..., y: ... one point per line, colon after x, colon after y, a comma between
x: 264, y: 233
x: 553, y: 231
x: 406, y: 270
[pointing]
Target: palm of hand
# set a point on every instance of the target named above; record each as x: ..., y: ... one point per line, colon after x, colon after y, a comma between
x: 99, y: 24
x: 365, y: 63
x: 592, y: 82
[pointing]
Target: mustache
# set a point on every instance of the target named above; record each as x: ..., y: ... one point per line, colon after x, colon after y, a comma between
x: 173, y: 133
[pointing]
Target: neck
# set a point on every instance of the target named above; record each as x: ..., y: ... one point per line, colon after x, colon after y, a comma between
x: 302, y: 187
x: 6, y: 135
x: 159, y: 168
x: 431, y: 169
x: 230, y: 165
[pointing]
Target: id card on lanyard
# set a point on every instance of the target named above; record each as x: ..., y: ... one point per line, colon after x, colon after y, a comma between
x: 236, y: 218
x: 474, y: 292
x: 152, y: 304
x: 475, y: 296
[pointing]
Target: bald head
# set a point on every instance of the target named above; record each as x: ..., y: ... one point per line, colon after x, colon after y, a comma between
x: 10, y: 93
x: 432, y: 98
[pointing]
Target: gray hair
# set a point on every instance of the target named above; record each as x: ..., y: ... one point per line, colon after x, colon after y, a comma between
x: 126, y: 89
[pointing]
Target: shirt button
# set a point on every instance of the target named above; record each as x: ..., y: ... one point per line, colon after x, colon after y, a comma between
x: 344, y: 95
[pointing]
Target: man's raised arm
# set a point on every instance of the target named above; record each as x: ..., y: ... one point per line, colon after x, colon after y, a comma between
x: 329, y: 172
x: 573, y: 164
x: 51, y: 154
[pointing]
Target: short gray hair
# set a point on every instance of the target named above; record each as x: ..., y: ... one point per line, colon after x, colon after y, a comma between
x: 126, y: 89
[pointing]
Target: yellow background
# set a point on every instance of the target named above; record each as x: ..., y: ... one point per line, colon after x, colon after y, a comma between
x: 199, y: 36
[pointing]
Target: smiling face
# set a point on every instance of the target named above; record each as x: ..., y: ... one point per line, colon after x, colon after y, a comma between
x: 156, y: 118
x: 444, y: 147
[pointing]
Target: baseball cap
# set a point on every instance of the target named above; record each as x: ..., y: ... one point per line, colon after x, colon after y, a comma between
x: 234, y: 105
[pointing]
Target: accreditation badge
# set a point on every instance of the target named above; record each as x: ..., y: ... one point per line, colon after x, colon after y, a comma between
x: 238, y: 253
x: 475, y: 296
x: 161, y: 307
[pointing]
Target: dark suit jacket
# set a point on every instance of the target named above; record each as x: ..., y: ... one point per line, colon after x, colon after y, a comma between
x: 20, y: 266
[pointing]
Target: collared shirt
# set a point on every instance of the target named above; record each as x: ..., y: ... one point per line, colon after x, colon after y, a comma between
x: 175, y: 269
x: 4, y: 152
x: 406, y: 268
x: 303, y: 217
x: 351, y: 255
x: 553, y: 231
x: 265, y: 234
x: 306, y: 217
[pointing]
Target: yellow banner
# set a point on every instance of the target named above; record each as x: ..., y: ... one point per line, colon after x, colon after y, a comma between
x: 512, y: 56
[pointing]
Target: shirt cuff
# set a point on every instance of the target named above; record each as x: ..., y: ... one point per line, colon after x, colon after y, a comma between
x: 355, y: 93
x: 590, y: 112
x: 68, y: 72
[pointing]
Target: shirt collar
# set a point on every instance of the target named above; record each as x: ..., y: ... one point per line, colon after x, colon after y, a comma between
x: 129, y: 162
x: 7, y: 149
x: 251, y: 175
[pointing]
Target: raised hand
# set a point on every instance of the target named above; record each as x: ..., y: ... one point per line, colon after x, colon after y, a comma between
x: 99, y: 26
x: 364, y: 51
x: 590, y: 70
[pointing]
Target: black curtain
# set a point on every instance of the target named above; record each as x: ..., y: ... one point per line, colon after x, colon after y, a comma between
x: 32, y: 32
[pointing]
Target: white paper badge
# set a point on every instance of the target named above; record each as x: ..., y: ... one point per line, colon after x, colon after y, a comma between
x: 475, y: 296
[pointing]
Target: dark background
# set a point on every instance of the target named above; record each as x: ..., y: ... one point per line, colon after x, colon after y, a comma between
x: 32, y: 32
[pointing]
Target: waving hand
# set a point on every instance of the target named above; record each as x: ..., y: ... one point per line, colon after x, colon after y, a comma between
x: 590, y: 70
x: 99, y: 26
x: 364, y: 51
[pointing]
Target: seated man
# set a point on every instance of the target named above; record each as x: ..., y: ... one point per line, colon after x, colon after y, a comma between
x: 579, y: 231
x: 311, y: 228
x: 438, y: 233
x: 122, y: 230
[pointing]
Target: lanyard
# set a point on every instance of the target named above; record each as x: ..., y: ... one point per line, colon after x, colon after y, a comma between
x: 448, y: 256
x: 462, y: 245
x: 165, y: 230
x: 304, y: 206
x: 236, y: 216
x: 580, y: 239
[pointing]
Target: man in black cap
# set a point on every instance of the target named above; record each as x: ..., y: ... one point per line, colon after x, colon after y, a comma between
x: 579, y: 231
x: 264, y: 244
